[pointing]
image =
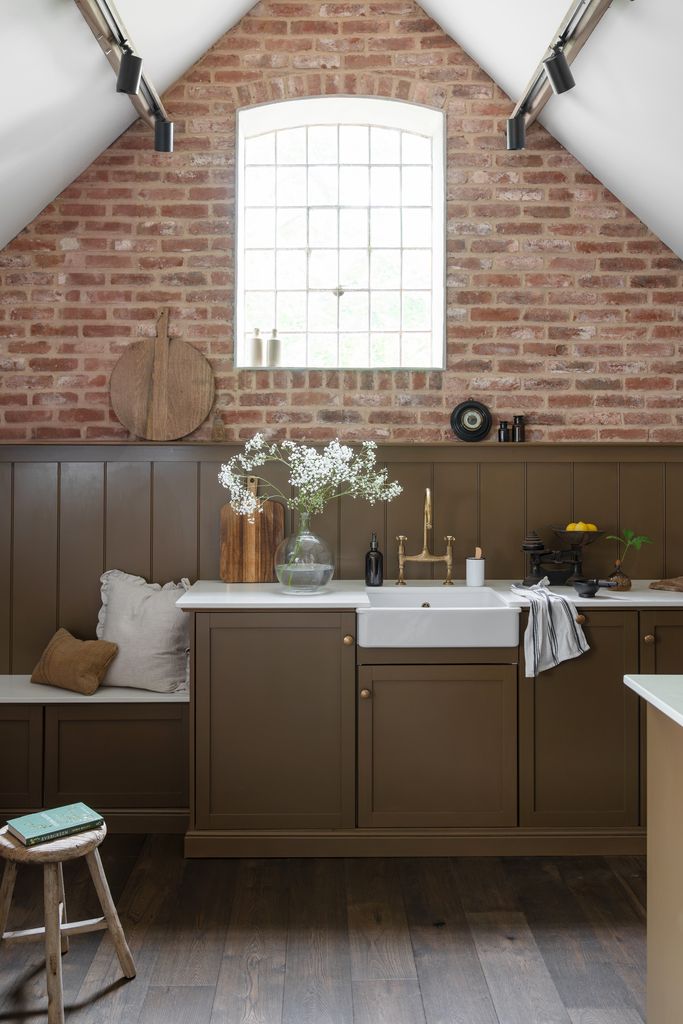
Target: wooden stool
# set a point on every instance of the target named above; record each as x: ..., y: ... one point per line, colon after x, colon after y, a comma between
x: 57, y: 930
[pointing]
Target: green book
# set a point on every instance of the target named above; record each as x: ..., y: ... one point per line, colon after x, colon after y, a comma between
x: 43, y: 826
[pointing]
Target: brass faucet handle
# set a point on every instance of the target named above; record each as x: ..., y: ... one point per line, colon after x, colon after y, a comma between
x: 449, y: 540
x: 402, y: 537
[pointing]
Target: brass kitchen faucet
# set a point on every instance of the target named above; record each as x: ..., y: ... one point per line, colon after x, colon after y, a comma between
x: 425, y: 555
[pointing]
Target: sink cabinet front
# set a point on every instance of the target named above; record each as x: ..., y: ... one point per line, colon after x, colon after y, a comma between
x: 274, y: 716
x: 437, y: 746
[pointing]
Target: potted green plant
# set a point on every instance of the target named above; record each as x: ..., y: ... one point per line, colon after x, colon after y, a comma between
x: 628, y: 539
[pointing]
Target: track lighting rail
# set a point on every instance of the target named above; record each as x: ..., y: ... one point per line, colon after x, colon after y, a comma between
x: 107, y: 26
x: 552, y: 73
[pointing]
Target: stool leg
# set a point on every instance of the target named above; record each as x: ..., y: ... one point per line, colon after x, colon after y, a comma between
x: 109, y: 910
x: 53, y: 953
x: 6, y: 891
x: 62, y: 897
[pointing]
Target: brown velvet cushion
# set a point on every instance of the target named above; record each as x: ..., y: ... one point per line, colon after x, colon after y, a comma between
x: 72, y: 664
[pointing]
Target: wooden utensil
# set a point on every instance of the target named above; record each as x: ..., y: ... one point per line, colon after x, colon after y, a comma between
x: 247, y: 549
x: 161, y: 388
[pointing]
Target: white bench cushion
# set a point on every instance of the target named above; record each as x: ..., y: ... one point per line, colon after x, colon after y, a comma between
x: 18, y: 689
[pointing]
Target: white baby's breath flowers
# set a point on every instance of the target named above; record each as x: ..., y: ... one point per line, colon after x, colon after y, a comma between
x: 315, y: 477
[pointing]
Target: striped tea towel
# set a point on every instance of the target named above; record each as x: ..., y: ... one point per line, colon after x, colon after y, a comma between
x: 553, y: 634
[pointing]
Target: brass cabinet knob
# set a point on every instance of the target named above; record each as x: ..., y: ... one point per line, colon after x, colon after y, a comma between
x: 365, y: 694
x: 348, y: 639
x: 581, y: 619
x: 648, y: 639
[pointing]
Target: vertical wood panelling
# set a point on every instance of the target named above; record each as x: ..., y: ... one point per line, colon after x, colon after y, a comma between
x: 405, y: 515
x: 674, y: 519
x: 456, y: 511
x: 548, y: 498
x: 211, y: 498
x: 34, y: 597
x: 81, y: 545
x: 5, y: 563
x: 501, y: 515
x: 174, y: 521
x: 128, y: 513
x: 596, y: 500
x: 641, y: 508
x: 358, y: 520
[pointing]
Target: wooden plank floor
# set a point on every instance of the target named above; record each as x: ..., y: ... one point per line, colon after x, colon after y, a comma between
x: 435, y: 941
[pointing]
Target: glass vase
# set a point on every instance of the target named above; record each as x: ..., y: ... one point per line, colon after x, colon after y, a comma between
x: 303, y: 561
x: 619, y: 577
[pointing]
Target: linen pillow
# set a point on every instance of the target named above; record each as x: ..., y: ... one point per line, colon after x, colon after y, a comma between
x: 152, y: 634
x: 72, y: 664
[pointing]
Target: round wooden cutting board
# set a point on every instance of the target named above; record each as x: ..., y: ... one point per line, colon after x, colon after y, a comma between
x: 161, y: 388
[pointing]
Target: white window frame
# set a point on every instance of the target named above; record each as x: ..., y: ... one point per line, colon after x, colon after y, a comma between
x: 352, y: 110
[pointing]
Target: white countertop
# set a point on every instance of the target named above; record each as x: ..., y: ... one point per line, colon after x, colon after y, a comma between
x: 212, y: 594
x: 664, y: 693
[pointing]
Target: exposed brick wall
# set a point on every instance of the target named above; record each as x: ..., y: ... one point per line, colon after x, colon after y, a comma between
x: 561, y: 304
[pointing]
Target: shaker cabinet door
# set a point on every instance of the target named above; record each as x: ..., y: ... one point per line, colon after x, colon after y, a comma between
x: 437, y: 746
x: 274, y: 720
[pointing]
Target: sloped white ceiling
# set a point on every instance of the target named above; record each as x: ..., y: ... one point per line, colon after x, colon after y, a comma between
x: 623, y: 121
x: 60, y: 108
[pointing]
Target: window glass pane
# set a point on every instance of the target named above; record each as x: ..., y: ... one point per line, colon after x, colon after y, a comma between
x: 416, y: 149
x: 291, y: 146
x: 291, y: 228
x: 291, y: 311
x: 385, y: 268
x: 353, y: 268
x: 416, y: 350
x: 353, y: 350
x: 322, y: 349
x: 353, y: 144
x: 259, y: 268
x: 385, y: 146
x: 259, y: 228
x: 385, y: 227
x: 293, y: 349
x: 291, y: 186
x: 323, y: 186
x: 385, y: 349
x: 322, y: 144
x: 385, y: 311
x: 417, y: 227
x: 417, y: 311
x: 323, y: 268
x: 353, y: 311
x: 259, y: 186
x: 353, y: 228
x: 259, y: 311
x: 322, y: 311
x: 322, y: 228
x: 416, y: 186
x: 291, y: 268
x: 385, y: 186
x: 354, y: 186
x: 260, y: 149
x: 417, y: 268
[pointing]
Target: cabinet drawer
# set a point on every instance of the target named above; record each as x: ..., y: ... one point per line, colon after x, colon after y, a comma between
x: 437, y: 746
x: 21, y: 756
x: 117, y: 755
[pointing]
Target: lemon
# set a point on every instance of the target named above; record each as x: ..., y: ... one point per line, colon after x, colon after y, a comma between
x: 570, y: 526
x: 591, y: 527
x: 581, y: 526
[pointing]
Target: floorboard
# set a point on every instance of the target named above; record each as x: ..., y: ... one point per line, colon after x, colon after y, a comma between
x: 357, y: 941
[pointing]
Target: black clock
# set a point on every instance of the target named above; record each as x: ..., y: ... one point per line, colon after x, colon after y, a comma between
x: 471, y: 421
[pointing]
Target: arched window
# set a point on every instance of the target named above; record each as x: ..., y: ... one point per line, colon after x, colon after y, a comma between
x: 341, y: 233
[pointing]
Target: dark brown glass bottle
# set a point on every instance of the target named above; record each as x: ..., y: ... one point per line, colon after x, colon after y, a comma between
x: 374, y: 565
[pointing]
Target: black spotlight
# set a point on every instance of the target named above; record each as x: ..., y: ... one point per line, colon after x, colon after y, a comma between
x: 130, y: 72
x: 559, y: 73
x: 163, y: 135
x: 516, y: 131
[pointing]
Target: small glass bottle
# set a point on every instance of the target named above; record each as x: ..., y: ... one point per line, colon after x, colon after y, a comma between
x: 503, y: 431
x: 255, y: 349
x: 518, y: 428
x: 273, y: 350
x: 374, y: 565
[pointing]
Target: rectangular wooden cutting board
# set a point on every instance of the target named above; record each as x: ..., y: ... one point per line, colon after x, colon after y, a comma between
x: 248, y: 549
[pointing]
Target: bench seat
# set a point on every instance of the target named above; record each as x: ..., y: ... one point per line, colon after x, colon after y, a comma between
x: 18, y: 689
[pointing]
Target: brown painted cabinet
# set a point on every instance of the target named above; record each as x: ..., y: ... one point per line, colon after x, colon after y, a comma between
x: 661, y: 641
x: 274, y: 707
x: 21, y: 757
x: 437, y: 746
x: 579, y: 733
